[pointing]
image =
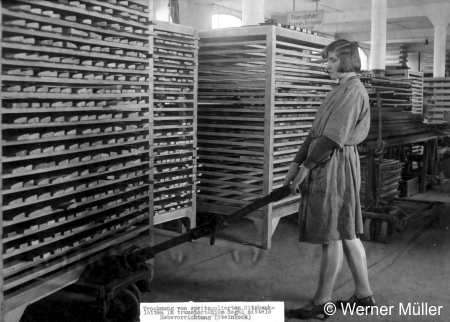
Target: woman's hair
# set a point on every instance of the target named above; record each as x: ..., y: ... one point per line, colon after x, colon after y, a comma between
x: 348, y: 54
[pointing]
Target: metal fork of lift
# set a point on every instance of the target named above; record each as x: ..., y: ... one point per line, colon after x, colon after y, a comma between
x: 111, y: 287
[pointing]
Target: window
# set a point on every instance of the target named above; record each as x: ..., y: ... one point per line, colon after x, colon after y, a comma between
x: 225, y: 21
x: 364, y: 59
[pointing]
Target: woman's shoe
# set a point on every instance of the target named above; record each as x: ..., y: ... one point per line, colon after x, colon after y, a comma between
x: 304, y: 314
x: 364, y: 302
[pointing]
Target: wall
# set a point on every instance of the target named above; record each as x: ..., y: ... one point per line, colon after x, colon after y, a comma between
x: 196, y: 15
x: 191, y: 14
x: 413, y: 61
x: 366, y: 49
x: 161, y: 10
x: 421, y: 48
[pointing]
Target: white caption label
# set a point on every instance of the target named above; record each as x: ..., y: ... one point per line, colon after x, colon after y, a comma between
x: 213, y: 311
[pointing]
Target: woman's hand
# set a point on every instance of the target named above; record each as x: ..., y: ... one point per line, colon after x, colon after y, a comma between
x: 290, y: 175
x: 295, y: 186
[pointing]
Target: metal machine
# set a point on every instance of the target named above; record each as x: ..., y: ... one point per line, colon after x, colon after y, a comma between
x: 382, y: 215
x: 111, y: 287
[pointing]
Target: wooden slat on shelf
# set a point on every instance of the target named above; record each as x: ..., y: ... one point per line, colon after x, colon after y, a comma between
x: 44, y: 34
x: 53, y: 198
x: 20, y: 267
x: 123, y: 8
x: 67, y: 275
x: 61, y: 22
x: 41, y: 64
x: 68, y: 51
x: 93, y: 14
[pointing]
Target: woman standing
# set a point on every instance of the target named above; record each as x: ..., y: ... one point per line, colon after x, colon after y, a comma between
x: 326, y: 171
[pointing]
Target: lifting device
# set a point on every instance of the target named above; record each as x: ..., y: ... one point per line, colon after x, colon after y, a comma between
x: 111, y: 286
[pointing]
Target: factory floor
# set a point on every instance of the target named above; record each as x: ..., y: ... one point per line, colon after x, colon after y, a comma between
x: 413, y: 268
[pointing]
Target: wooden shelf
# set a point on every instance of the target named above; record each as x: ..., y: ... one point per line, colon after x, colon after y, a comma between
x: 57, y: 36
x: 83, y: 216
x: 174, y: 110
x: 66, y: 212
x: 60, y: 22
x: 94, y: 14
x: 78, y: 68
x: 71, y: 81
x: 40, y: 110
x: 68, y: 51
x: 401, y: 127
x: 69, y: 137
x: 74, y: 180
x: 437, y: 89
x: 254, y: 84
x: 416, y: 79
x: 50, y: 241
x: 108, y: 182
x: 121, y: 8
x: 72, y: 96
x: 65, y: 124
x: 76, y: 129
x: 21, y: 267
x: 396, y: 57
x: 75, y: 265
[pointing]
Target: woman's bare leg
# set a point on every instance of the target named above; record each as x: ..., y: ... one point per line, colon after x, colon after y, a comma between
x: 330, y: 266
x: 356, y: 259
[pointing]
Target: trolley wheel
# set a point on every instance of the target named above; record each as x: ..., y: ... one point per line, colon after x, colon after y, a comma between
x: 369, y: 229
x: 124, y: 307
x: 386, y: 231
x: 135, y: 290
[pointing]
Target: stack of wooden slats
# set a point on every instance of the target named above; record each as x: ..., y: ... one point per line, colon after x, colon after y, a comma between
x: 391, y: 174
x: 437, y: 91
x: 416, y: 80
x: 259, y: 89
x: 400, y: 131
x: 398, y: 125
x: 447, y: 64
x: 396, y: 56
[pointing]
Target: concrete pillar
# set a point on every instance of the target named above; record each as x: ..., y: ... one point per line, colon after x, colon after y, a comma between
x: 440, y: 41
x: 378, y: 37
x: 151, y: 13
x: 252, y: 12
x: 439, y: 15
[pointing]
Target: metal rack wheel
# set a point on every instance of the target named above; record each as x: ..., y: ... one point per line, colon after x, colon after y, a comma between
x: 369, y: 229
x: 386, y: 231
x: 124, y: 307
x: 133, y: 288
